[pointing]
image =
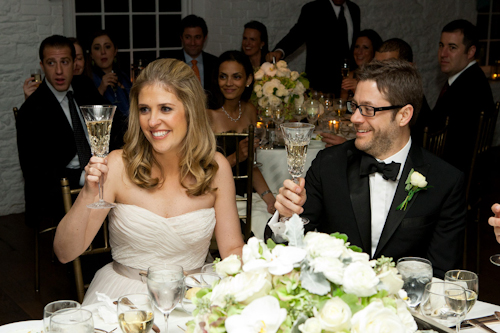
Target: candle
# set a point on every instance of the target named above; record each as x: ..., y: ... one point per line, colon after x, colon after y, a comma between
x: 333, y: 126
x: 260, y: 124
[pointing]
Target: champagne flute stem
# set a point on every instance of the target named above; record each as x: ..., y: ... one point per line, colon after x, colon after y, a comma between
x: 296, y: 180
x: 165, y: 315
x: 101, y: 190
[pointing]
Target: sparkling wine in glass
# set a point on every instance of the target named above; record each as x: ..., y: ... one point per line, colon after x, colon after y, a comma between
x: 37, y: 75
x: 260, y: 133
x: 135, y: 313
x: 72, y: 321
x: 297, y: 137
x: 416, y: 273
x: 312, y: 110
x: 468, y: 280
x: 344, y: 71
x: 55, y: 306
x: 99, y: 119
x: 166, y: 287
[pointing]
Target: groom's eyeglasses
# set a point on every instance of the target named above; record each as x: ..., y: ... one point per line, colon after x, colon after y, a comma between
x: 369, y: 111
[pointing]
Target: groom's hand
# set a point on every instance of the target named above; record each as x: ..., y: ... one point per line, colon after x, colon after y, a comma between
x: 291, y: 198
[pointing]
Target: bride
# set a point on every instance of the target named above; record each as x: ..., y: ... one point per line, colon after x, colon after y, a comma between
x: 171, y: 187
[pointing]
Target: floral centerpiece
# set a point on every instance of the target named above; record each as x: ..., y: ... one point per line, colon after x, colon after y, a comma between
x: 277, y: 84
x: 318, y: 283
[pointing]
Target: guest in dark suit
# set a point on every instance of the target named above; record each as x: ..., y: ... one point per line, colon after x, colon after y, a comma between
x: 347, y: 193
x: 328, y: 28
x: 193, y: 34
x: 49, y: 145
x: 465, y: 94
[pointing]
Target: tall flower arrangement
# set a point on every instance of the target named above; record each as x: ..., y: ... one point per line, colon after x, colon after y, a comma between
x: 277, y: 84
x: 318, y: 283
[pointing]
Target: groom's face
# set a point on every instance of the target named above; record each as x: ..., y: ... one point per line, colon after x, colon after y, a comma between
x: 378, y: 135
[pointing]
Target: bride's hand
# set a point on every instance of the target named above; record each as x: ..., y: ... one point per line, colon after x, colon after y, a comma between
x: 96, y: 168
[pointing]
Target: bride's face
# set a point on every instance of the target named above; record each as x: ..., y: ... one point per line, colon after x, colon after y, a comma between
x: 233, y: 79
x: 162, y: 118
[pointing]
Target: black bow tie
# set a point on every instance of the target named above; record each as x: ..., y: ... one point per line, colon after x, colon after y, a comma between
x: 370, y: 165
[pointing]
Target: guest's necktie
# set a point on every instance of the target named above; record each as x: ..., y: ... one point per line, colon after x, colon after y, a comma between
x: 196, y: 69
x: 370, y: 165
x: 443, y: 90
x: 82, y: 146
x: 342, y: 24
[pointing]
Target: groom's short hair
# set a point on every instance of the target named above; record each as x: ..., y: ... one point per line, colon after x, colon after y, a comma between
x: 397, y: 80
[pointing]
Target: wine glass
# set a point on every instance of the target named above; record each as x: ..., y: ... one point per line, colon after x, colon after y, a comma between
x: 37, y: 75
x: 344, y: 71
x: 278, y: 115
x: 312, y: 110
x: 495, y: 259
x: 166, y: 287
x: 341, y: 108
x: 468, y: 280
x: 99, y: 119
x: 55, y: 306
x: 72, y: 321
x: 416, y: 273
x: 300, y: 113
x: 260, y: 133
x: 135, y: 313
x: 445, y: 303
x: 297, y: 137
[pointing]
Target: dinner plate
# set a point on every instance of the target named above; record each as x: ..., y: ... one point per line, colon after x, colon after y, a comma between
x: 316, y: 144
x: 28, y: 326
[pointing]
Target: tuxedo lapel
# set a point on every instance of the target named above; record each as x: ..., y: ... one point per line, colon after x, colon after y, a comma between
x: 359, y: 190
x: 394, y: 218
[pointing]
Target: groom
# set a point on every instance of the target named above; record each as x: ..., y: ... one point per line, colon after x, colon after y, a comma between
x: 355, y: 188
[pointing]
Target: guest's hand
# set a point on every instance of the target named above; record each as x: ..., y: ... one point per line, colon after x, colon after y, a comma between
x: 96, y: 168
x: 110, y: 79
x: 332, y: 139
x: 349, y: 84
x: 269, y: 199
x: 291, y: 198
x: 29, y: 87
x: 494, y: 221
x: 276, y: 54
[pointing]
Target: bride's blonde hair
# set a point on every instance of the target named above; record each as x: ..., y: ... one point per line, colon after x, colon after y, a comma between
x: 197, y: 152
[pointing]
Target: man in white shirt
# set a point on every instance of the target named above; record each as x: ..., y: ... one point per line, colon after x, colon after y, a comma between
x: 357, y: 187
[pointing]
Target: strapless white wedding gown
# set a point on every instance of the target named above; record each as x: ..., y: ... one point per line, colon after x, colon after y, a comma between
x: 140, y: 239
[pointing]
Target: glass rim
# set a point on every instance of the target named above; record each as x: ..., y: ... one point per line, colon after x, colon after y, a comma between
x: 297, y: 125
x: 66, y: 311
x: 62, y: 301
x: 133, y: 294
x: 474, y: 275
x: 97, y: 106
x: 456, y: 287
x: 426, y: 261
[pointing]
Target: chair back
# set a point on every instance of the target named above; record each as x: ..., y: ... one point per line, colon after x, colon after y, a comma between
x: 435, y: 141
x: 233, y: 139
x: 93, y: 249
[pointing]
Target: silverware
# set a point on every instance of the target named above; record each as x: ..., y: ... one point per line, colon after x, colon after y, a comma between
x: 479, y: 324
x: 497, y: 315
x: 485, y: 320
x: 181, y: 328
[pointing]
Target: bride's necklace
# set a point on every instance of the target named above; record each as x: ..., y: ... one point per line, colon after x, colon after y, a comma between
x: 231, y: 118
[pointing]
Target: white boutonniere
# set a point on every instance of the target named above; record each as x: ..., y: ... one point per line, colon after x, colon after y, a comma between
x: 414, y: 183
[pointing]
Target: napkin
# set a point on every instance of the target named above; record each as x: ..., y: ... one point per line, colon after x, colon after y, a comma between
x: 278, y: 228
x: 108, y: 310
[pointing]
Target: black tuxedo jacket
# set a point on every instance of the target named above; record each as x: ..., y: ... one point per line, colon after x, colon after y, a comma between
x: 463, y: 102
x: 432, y: 226
x: 46, y: 145
x: 317, y: 27
x: 209, y: 66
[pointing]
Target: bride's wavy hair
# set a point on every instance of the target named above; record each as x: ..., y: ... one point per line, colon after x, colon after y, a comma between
x: 197, y: 152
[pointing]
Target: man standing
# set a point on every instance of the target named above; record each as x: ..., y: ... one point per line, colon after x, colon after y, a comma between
x: 328, y: 28
x: 52, y: 136
x: 193, y: 34
x: 465, y: 94
x: 356, y: 188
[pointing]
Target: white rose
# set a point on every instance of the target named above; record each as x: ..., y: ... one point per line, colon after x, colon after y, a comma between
x: 375, y: 318
x: 269, y: 69
x: 274, y: 101
x: 390, y: 280
x: 262, y: 315
x: 229, y: 266
x: 257, y: 88
x: 417, y: 179
x: 255, y: 249
x: 323, y: 245
x: 294, y: 75
x: 282, y: 91
x: 283, y: 72
x: 299, y: 88
x: 406, y: 317
x: 353, y: 256
x: 335, y: 315
x: 245, y: 287
x: 269, y: 86
x: 259, y: 74
x: 263, y: 101
x: 360, y: 280
x: 299, y: 100
x: 311, y: 325
x: 332, y: 268
x: 281, y: 64
x: 258, y: 94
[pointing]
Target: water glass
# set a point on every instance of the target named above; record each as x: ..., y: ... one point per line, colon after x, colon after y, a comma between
x: 53, y: 307
x: 416, y: 273
x: 135, y: 313
x: 72, y: 321
x: 468, y: 280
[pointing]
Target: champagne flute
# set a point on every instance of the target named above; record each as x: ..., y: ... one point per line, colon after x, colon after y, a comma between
x: 72, y: 321
x: 55, y: 306
x: 297, y: 137
x: 99, y: 119
x: 260, y: 133
x: 445, y: 303
x: 344, y: 71
x: 468, y: 280
x: 166, y: 287
x: 135, y: 313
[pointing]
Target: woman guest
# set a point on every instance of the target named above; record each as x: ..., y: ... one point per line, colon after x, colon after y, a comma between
x: 171, y: 188
x: 79, y: 67
x: 255, y: 43
x: 234, y: 114
x: 111, y: 82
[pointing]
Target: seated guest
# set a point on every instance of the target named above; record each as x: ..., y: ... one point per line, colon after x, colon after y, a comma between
x: 171, y: 188
x: 234, y: 114
x: 345, y: 191
x: 465, y: 94
x: 494, y: 221
x: 255, y: 43
x: 110, y: 80
x: 51, y: 113
x: 79, y: 66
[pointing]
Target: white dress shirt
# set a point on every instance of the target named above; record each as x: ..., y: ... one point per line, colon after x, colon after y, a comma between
x: 382, y: 194
x: 199, y: 64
